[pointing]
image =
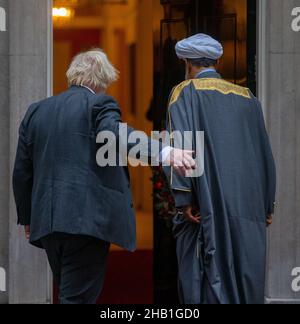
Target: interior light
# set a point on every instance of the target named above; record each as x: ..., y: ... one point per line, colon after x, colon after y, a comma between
x: 61, y: 12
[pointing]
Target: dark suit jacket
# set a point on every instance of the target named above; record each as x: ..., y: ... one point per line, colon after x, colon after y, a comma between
x: 57, y: 183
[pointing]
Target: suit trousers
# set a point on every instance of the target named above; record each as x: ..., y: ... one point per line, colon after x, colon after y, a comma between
x: 78, y: 264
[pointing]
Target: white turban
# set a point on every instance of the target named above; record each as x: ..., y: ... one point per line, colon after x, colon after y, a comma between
x: 199, y: 46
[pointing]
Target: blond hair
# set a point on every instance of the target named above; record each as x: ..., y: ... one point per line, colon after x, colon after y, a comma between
x: 92, y: 69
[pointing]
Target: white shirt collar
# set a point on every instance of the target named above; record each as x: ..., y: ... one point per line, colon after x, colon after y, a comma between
x: 92, y: 91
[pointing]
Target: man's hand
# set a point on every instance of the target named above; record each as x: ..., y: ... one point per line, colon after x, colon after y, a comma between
x: 181, y: 161
x: 27, y: 232
x: 191, y: 215
x: 269, y: 220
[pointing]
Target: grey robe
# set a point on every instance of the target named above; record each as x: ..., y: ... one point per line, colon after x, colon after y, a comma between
x: 223, y: 259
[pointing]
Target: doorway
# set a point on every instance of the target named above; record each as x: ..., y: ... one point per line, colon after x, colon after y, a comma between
x: 139, y: 37
x: 123, y: 29
x: 233, y: 23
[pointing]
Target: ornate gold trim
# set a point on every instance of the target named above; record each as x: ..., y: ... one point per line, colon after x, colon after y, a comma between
x: 177, y: 91
x: 172, y: 145
x: 222, y: 86
x: 211, y: 84
x: 172, y: 142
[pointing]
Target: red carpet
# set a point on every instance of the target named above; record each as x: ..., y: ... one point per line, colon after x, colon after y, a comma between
x: 129, y: 278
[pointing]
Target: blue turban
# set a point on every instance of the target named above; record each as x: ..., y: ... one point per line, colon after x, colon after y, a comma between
x: 199, y: 46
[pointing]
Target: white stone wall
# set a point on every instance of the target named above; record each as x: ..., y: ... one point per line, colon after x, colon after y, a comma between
x: 23, y: 80
x: 281, y: 97
x: 4, y: 149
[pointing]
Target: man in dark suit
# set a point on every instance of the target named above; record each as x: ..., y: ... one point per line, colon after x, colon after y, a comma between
x: 69, y: 205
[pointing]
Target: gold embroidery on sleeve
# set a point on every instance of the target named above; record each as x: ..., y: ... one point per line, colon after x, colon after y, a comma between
x: 172, y: 145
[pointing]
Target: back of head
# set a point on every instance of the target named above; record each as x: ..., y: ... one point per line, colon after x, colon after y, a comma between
x: 203, y: 62
x: 92, y: 69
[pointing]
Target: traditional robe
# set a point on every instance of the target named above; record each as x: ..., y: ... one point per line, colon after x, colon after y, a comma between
x: 223, y: 260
